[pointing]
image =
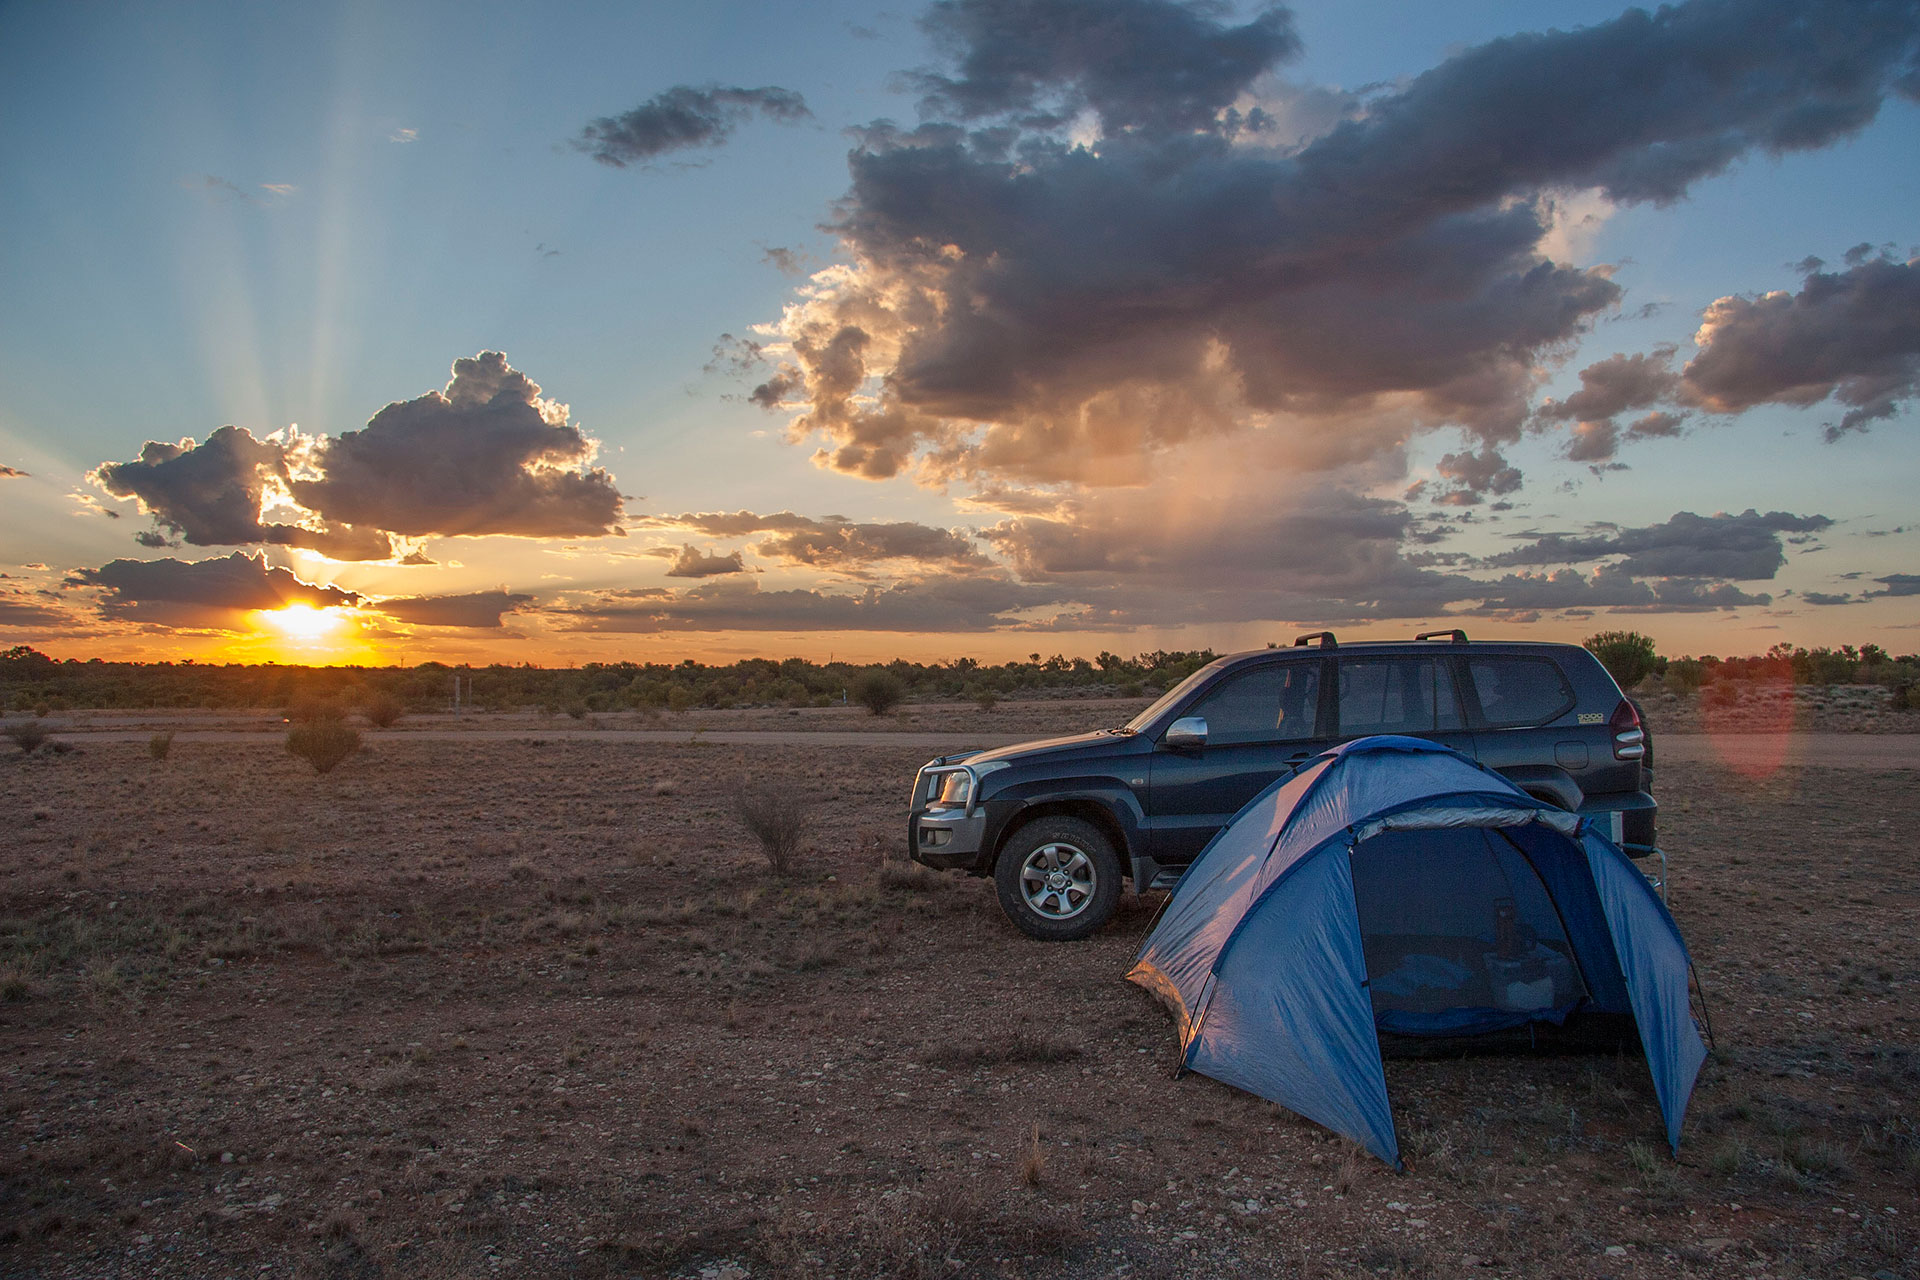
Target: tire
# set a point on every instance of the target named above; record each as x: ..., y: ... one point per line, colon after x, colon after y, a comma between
x: 1059, y: 879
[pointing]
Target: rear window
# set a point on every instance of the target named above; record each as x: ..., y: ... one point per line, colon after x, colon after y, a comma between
x: 1396, y: 695
x: 1519, y: 691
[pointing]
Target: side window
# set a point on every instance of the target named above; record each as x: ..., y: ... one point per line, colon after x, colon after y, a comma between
x: 1519, y: 691
x: 1396, y: 695
x: 1275, y: 703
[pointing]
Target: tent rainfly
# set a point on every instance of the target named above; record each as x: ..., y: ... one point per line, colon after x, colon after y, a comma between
x: 1393, y: 891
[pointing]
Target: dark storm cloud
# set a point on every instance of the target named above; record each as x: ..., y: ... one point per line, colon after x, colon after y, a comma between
x: 486, y: 456
x: 475, y: 609
x: 830, y: 541
x: 200, y: 592
x: 977, y: 603
x: 692, y: 563
x: 1854, y: 336
x: 682, y: 118
x: 1897, y: 584
x: 1824, y: 598
x: 1744, y: 547
x: 1022, y: 309
x: 209, y: 494
x: 1146, y: 64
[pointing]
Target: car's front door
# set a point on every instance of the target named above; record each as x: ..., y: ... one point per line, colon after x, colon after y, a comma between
x: 1260, y: 724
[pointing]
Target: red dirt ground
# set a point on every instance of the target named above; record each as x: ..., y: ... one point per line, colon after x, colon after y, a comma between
x: 532, y: 1005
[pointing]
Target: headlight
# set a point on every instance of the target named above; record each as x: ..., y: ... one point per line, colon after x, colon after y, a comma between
x: 957, y: 791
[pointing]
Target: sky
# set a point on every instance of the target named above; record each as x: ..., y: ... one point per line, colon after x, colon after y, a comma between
x: 387, y: 333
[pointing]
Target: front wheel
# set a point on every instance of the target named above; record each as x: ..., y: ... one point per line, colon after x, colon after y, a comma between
x: 1058, y: 878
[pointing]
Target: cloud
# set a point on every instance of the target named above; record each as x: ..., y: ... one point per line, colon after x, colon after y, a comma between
x: 1852, y: 335
x: 12, y: 473
x: 1017, y: 308
x: 684, y: 117
x: 1136, y: 64
x: 1611, y: 587
x: 1744, y: 547
x: 212, y: 494
x: 1608, y: 389
x: 23, y: 609
x: 1897, y: 584
x: 830, y: 541
x: 201, y: 593
x: 976, y: 603
x: 691, y: 563
x: 486, y: 456
x: 1824, y: 598
x: 476, y: 609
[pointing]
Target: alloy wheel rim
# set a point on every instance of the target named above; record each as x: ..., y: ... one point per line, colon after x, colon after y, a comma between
x: 1057, y: 880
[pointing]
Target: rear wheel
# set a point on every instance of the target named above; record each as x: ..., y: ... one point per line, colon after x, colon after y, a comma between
x: 1058, y: 879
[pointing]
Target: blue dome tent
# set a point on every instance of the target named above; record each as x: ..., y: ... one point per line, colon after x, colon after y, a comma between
x: 1392, y: 891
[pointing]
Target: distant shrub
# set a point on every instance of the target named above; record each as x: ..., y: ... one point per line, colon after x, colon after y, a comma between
x: 1628, y: 656
x: 1684, y: 675
x: 382, y: 710
x: 323, y: 743
x: 983, y: 697
x: 776, y: 815
x: 160, y: 744
x: 576, y: 708
x: 878, y: 691
x: 679, y: 698
x: 312, y: 708
x: 28, y: 734
x: 1906, y: 697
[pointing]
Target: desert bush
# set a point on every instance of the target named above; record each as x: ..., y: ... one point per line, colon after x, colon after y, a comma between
x: 986, y: 699
x: 313, y: 708
x: 1628, y: 656
x: 576, y: 708
x: 1684, y: 675
x: 323, y: 743
x: 878, y: 691
x: 382, y: 710
x: 28, y: 734
x: 679, y: 698
x: 1905, y: 697
x: 777, y: 816
x: 160, y: 744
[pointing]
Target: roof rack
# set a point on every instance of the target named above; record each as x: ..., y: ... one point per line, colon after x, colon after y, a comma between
x: 1324, y: 637
x: 1455, y: 636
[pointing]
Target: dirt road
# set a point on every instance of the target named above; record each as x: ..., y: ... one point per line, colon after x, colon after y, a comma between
x: 1741, y: 752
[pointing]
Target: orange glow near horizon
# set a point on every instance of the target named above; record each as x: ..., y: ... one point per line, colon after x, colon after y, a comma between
x: 302, y: 634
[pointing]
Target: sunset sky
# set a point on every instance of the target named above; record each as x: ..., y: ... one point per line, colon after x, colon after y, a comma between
x: 487, y: 332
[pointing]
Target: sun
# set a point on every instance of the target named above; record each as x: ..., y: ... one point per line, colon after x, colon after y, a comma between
x: 302, y: 623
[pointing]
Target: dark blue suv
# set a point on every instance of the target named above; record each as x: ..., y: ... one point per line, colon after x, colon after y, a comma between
x: 1060, y: 823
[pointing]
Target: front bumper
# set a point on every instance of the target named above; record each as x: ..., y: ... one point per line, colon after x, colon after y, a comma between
x: 947, y: 838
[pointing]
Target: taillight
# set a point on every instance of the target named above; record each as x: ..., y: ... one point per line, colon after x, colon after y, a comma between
x: 1629, y: 738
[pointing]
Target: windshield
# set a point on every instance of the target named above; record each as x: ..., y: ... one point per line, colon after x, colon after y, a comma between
x: 1170, y: 697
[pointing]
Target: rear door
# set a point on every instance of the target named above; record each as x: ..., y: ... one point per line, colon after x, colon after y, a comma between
x: 1261, y: 722
x: 1415, y: 695
x: 1519, y: 703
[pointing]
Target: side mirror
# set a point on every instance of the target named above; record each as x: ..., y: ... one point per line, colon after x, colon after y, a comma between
x: 1187, y: 733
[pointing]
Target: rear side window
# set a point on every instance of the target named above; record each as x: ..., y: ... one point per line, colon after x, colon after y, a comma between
x: 1396, y: 695
x: 1276, y: 703
x: 1519, y: 691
